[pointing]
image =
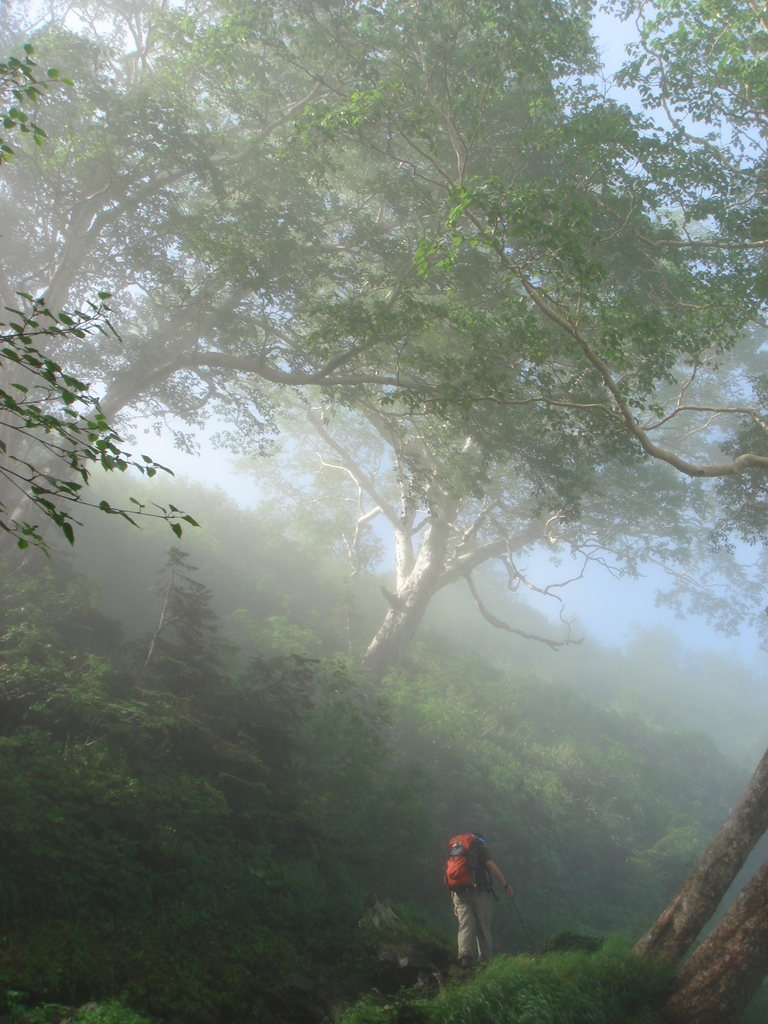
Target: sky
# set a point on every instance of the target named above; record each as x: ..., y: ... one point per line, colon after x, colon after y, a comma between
x: 609, y: 609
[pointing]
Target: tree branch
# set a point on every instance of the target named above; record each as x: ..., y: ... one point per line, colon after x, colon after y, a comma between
x: 461, y: 565
x: 358, y: 474
x: 554, y: 644
x: 325, y: 375
x: 708, y: 470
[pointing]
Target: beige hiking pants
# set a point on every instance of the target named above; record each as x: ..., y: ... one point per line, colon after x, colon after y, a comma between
x: 473, y: 910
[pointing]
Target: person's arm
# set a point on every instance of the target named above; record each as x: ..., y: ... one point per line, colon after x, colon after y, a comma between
x: 499, y: 878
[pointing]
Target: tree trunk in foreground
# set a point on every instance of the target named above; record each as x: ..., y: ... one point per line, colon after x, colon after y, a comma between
x: 718, y: 981
x: 677, y: 928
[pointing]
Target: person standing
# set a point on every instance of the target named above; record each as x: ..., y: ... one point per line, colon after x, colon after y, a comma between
x: 468, y: 876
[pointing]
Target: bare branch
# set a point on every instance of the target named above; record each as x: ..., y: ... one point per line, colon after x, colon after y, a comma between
x: 348, y: 464
x: 715, y: 410
x: 553, y: 644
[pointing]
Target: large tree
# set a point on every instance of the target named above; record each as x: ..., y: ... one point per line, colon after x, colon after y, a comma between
x: 286, y: 231
x: 273, y: 213
x: 249, y: 252
x: 634, y: 258
x: 424, y: 209
x: 450, y: 506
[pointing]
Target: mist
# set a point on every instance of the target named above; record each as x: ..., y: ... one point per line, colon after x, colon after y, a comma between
x: 382, y: 460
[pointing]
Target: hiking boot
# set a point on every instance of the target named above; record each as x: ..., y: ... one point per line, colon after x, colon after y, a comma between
x: 465, y: 963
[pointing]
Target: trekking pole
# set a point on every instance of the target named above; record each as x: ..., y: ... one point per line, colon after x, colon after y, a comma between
x: 522, y: 922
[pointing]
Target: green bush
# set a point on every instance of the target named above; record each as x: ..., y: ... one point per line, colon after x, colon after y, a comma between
x: 611, y: 986
x: 179, y: 833
x: 111, y: 1012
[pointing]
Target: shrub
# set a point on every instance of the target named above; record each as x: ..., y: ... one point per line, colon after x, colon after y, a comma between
x: 611, y: 986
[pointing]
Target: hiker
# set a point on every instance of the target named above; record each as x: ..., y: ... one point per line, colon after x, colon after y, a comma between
x: 468, y: 877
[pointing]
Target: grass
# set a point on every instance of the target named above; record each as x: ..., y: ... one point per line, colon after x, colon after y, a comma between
x: 610, y: 986
x: 110, y: 1012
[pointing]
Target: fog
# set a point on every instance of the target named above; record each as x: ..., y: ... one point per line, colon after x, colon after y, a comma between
x: 610, y: 609
x: 678, y: 672
x: 448, y: 321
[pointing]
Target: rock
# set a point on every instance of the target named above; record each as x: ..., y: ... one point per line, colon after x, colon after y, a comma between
x: 380, y: 914
x: 417, y: 958
x: 408, y: 955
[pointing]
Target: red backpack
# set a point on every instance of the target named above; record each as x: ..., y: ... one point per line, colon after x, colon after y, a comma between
x: 463, y: 869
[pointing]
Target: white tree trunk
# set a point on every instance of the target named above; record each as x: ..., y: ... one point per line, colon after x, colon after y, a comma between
x: 415, y: 590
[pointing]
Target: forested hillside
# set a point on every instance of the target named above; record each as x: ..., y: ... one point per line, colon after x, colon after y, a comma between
x: 264, y: 570
x: 192, y: 825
